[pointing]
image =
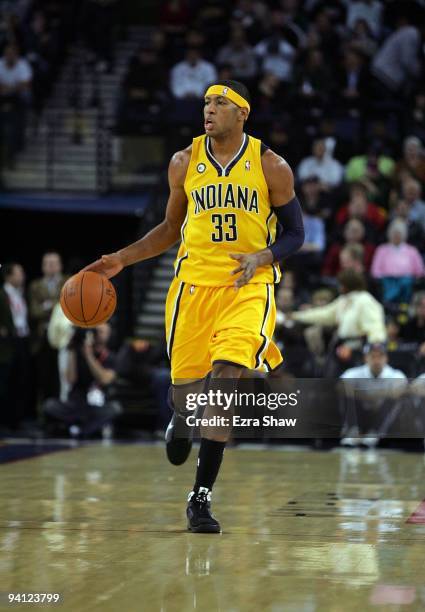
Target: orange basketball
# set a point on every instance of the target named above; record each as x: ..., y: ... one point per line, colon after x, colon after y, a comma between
x: 88, y: 299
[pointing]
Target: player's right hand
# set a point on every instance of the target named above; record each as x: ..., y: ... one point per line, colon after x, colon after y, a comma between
x: 110, y: 265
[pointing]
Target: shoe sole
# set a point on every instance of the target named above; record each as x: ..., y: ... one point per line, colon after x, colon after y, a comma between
x: 204, y: 529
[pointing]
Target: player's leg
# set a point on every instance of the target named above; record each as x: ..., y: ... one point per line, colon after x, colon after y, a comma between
x: 242, y: 341
x: 213, y: 443
x: 188, y: 315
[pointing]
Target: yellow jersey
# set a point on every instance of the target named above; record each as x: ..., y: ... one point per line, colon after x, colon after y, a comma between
x: 228, y: 211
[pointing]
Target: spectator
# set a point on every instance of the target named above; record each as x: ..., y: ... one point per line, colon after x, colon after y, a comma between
x: 366, y: 166
x: 190, y: 78
x: 308, y: 260
x: 396, y: 65
x: 277, y: 56
x: 415, y: 231
x: 412, y: 164
x: 397, y: 264
x: 90, y: 371
x: 362, y: 39
x: 15, y: 97
x: 414, y: 330
x: 412, y: 195
x: 354, y: 315
x: 359, y: 208
x: 351, y: 257
x: 267, y: 100
x: 43, y: 295
x: 142, y: 364
x: 414, y: 116
x: 369, y: 11
x: 321, y: 164
x: 144, y: 88
x: 312, y: 78
x: 352, y: 81
x: 374, y: 400
x: 354, y: 233
x: 15, y: 360
x: 240, y: 55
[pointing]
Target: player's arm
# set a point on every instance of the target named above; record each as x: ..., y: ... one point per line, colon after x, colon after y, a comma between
x: 285, y: 204
x: 161, y: 237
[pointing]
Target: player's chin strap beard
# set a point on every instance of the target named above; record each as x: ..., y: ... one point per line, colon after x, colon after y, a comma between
x: 228, y: 92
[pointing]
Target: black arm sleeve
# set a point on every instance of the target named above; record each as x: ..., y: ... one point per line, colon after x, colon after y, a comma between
x: 292, y: 238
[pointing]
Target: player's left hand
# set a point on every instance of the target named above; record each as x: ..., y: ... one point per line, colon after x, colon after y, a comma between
x: 248, y: 263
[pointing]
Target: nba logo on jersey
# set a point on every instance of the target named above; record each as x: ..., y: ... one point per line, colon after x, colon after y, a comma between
x: 225, y: 90
x: 247, y: 165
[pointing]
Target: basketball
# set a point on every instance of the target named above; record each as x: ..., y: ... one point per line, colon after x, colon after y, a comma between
x: 88, y: 299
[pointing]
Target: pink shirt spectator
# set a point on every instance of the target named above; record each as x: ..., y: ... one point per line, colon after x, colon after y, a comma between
x: 401, y: 260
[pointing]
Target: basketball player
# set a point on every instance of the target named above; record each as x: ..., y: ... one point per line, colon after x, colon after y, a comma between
x: 228, y: 193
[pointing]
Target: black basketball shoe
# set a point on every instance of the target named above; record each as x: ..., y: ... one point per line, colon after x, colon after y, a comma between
x: 199, y: 517
x: 178, y: 440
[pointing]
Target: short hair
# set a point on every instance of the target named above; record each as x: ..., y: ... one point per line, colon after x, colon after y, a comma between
x: 398, y: 225
x: 7, y: 268
x: 352, y: 280
x: 237, y: 86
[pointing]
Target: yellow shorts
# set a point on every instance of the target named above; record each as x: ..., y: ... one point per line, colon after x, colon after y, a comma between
x: 205, y: 325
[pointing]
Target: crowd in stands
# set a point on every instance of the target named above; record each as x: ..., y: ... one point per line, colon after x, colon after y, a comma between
x: 62, y: 378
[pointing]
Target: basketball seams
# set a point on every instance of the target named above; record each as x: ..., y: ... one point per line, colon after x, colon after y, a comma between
x: 81, y: 297
x: 68, y: 308
x: 100, y: 301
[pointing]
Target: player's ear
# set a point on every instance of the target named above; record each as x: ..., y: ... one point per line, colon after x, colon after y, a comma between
x: 243, y: 113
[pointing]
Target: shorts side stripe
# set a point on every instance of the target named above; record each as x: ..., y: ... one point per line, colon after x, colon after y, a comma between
x: 174, y: 320
x: 266, y: 340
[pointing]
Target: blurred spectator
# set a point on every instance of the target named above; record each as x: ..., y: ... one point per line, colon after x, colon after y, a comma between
x: 308, y: 260
x: 43, y: 295
x: 354, y: 233
x: 321, y: 164
x: 362, y: 39
x: 397, y: 264
x: 191, y: 77
x: 373, y: 162
x: 322, y: 32
x: 352, y: 81
x: 174, y: 16
x: 59, y: 333
x: 142, y: 364
x: 15, y: 360
x: 15, y: 98
x: 268, y: 97
x: 252, y: 16
x: 358, y: 207
x: 351, y: 257
x: 240, y: 55
x: 144, y: 88
x: 412, y: 164
x: 312, y: 83
x: 374, y: 400
x: 396, y: 64
x: 90, y: 371
x: 277, y: 56
x: 355, y: 315
x: 414, y: 115
x: 415, y: 231
x: 369, y: 11
x: 412, y: 196
x: 98, y: 23
x: 414, y: 330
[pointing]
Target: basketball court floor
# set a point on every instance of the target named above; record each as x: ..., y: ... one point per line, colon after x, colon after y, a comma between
x: 303, y: 530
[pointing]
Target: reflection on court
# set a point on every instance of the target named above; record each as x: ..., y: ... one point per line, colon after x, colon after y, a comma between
x: 302, y: 530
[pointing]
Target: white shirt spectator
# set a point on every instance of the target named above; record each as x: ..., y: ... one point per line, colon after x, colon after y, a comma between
x: 355, y: 314
x: 192, y: 79
x: 328, y: 170
x: 364, y: 371
x: 279, y: 64
x: 11, y: 76
x: 19, y: 310
x: 371, y: 12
